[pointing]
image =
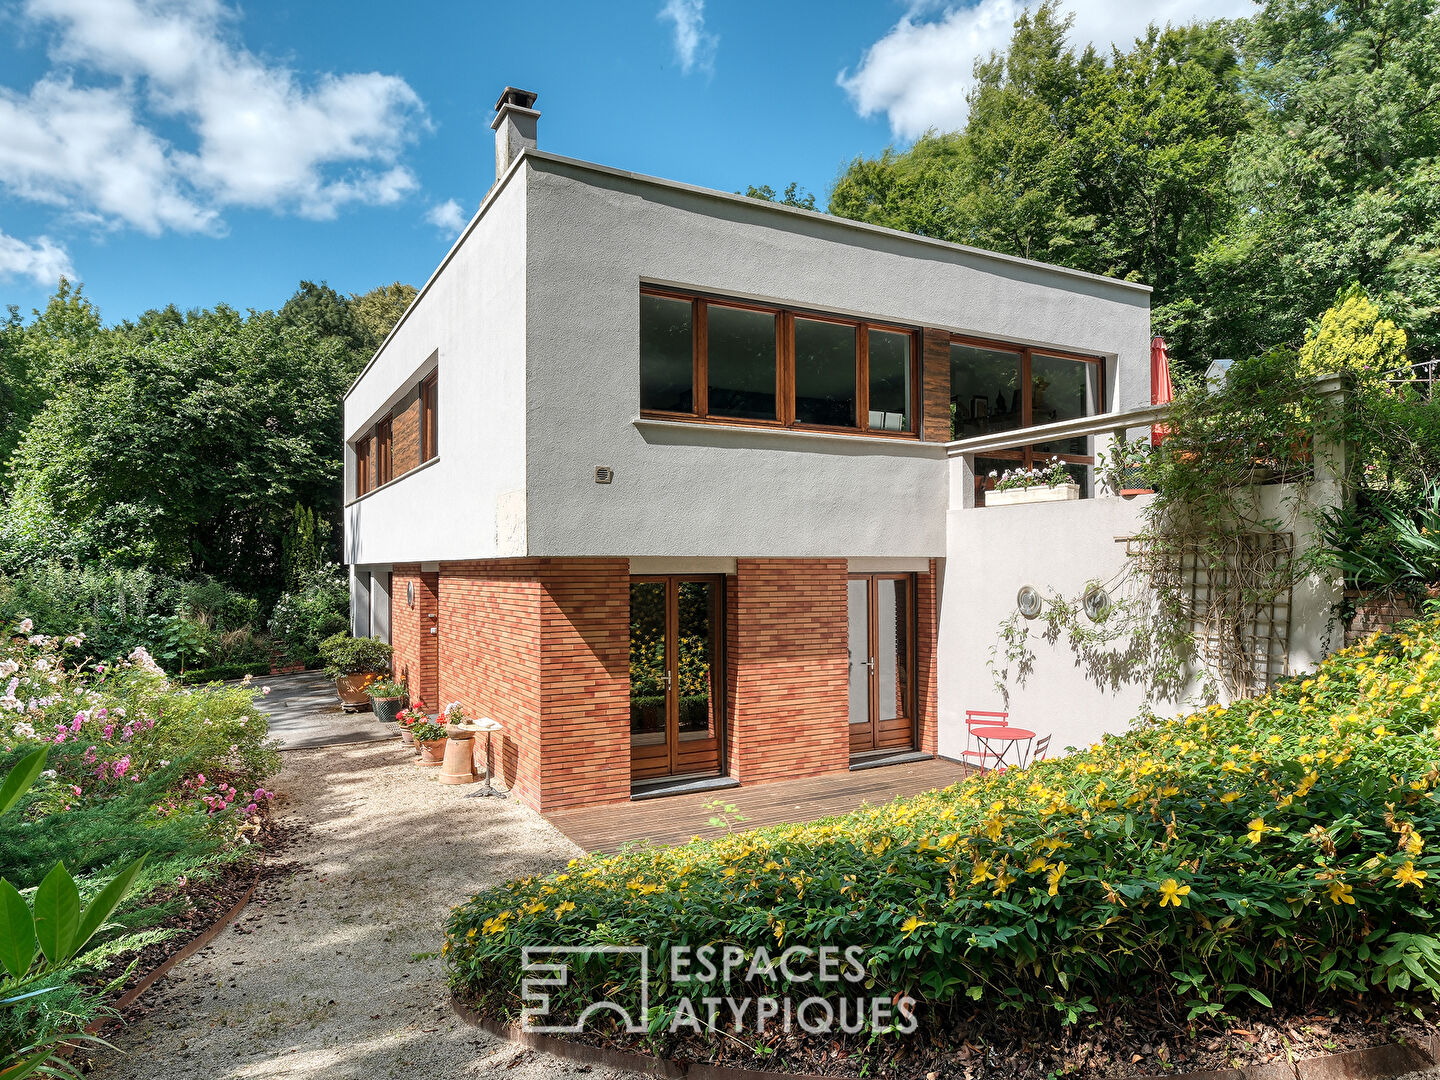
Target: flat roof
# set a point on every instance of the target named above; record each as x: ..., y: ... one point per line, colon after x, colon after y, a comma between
x: 530, y: 154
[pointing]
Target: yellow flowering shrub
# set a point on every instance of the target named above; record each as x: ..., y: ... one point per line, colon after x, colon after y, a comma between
x: 1283, y: 845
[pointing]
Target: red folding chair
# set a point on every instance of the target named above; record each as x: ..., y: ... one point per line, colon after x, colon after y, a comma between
x: 975, y: 753
x: 1042, y: 745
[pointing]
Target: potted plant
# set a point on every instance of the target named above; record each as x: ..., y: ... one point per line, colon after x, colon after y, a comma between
x: 1125, y: 468
x: 354, y: 663
x: 387, y: 698
x: 1050, y: 483
x: 429, y: 736
x: 459, y: 748
x: 408, y: 718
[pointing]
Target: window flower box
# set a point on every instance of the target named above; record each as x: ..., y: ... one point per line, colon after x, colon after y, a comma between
x: 1011, y: 496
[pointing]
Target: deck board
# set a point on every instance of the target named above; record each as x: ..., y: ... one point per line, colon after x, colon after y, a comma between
x: 676, y: 819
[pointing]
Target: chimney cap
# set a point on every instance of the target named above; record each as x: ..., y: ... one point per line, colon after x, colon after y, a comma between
x: 513, y: 95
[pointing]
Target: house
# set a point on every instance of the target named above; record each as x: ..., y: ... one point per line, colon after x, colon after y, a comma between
x: 679, y: 486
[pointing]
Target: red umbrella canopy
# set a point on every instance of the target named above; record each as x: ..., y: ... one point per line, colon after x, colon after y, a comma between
x: 1162, y: 390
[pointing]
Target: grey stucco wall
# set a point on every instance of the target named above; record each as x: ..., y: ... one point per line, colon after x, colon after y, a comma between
x: 594, y: 236
x: 469, y: 503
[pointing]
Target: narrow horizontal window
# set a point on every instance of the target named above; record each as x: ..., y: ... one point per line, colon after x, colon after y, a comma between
x: 735, y: 362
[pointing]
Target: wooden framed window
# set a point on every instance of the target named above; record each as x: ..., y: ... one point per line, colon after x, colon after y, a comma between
x: 429, y: 428
x: 384, y: 452
x: 362, y: 466
x: 996, y: 386
x: 735, y: 362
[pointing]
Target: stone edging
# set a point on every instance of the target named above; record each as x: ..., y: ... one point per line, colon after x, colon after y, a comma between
x: 191, y: 947
x: 1376, y: 1063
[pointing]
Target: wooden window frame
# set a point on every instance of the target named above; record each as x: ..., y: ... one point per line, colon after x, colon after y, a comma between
x: 384, y: 450
x: 785, y: 317
x: 429, y: 421
x: 1025, y: 456
x: 362, y: 465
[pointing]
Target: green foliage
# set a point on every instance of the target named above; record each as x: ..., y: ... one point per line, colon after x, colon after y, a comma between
x: 346, y: 655
x: 1353, y: 337
x: 315, y: 609
x: 378, y: 310
x: 793, y: 195
x: 1280, y: 848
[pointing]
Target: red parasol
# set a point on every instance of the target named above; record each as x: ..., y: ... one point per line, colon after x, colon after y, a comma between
x: 1162, y: 390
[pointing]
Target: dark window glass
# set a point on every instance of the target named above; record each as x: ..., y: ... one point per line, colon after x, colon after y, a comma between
x: 428, y: 427
x: 741, y: 363
x: 984, y: 389
x: 666, y: 344
x: 824, y: 373
x: 1063, y: 389
x: 889, y: 381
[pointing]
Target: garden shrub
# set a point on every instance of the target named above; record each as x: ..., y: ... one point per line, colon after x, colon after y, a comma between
x: 1284, y: 846
x: 346, y: 655
x: 316, y: 609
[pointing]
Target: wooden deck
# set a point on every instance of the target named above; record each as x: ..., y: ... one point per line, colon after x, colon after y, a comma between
x: 675, y: 819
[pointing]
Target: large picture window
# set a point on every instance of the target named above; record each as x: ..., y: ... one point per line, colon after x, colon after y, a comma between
x: 735, y: 362
x: 997, y: 387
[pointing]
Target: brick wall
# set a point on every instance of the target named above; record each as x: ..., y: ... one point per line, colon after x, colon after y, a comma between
x: 788, y: 669
x: 490, y: 661
x: 585, y: 681
x: 1375, y: 611
x: 405, y: 426
x: 416, y: 659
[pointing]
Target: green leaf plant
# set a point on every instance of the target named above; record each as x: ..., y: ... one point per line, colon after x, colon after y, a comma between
x: 41, y: 938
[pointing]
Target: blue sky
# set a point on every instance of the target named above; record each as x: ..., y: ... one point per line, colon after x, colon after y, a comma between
x: 198, y: 151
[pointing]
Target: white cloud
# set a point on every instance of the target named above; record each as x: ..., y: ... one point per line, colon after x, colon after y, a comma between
x: 920, y: 72
x: 694, y: 47
x: 255, y: 134
x: 448, y: 216
x: 44, y: 261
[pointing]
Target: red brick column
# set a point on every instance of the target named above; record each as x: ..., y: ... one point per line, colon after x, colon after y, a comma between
x: 927, y: 635
x: 585, y: 682
x: 489, y: 660
x: 788, y: 662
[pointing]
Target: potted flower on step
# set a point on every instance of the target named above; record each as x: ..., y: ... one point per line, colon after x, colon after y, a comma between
x: 429, y: 736
x: 1049, y: 483
x: 387, y: 698
x: 354, y: 663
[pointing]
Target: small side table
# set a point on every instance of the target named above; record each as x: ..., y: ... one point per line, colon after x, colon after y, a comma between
x: 488, y: 727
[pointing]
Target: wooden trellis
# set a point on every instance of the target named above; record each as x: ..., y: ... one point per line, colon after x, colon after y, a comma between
x: 1236, y: 597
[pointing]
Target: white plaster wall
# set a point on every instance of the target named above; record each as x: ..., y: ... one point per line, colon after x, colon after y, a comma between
x: 595, y: 235
x: 1059, y: 548
x: 466, y: 504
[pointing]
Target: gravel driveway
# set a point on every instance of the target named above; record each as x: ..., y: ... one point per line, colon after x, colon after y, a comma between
x: 317, y: 977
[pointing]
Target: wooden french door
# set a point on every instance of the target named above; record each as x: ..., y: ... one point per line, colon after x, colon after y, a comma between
x: 882, y: 662
x: 676, y: 676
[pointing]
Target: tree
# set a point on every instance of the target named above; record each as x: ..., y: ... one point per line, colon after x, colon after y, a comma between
x: 378, y: 310
x: 794, y: 195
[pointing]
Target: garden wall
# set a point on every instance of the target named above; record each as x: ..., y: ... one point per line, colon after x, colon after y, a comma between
x: 1059, y: 548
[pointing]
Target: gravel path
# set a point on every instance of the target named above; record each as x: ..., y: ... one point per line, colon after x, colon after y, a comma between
x: 317, y: 978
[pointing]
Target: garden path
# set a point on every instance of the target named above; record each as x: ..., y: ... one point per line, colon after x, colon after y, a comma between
x: 317, y: 979
x: 305, y: 712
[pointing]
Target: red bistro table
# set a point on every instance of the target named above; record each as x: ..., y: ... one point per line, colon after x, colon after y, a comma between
x: 1006, y: 737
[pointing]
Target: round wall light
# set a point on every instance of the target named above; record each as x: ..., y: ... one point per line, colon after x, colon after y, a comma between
x: 1096, y: 603
x: 410, y: 593
x: 1028, y: 601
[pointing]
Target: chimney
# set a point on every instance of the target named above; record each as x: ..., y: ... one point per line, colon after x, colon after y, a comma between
x: 515, y: 122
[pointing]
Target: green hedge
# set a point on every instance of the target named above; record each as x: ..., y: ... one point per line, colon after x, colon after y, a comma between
x: 224, y: 673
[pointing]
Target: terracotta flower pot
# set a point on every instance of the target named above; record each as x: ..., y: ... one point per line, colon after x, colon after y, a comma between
x: 432, y: 751
x: 387, y: 708
x: 407, y: 737
x: 459, y: 765
x: 351, y: 689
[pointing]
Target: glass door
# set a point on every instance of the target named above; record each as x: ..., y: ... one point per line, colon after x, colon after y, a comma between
x: 676, y: 676
x: 882, y: 663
